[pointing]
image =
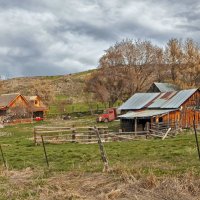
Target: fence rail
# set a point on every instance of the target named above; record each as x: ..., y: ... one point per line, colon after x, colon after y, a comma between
x: 88, y: 134
x: 67, y: 134
x: 82, y: 135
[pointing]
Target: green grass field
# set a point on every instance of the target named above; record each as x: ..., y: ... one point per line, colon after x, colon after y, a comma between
x: 171, y: 156
x: 80, y: 107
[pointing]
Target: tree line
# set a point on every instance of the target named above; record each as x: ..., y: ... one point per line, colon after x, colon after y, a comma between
x: 132, y: 66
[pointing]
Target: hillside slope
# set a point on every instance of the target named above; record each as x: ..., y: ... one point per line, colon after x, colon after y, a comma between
x: 70, y: 85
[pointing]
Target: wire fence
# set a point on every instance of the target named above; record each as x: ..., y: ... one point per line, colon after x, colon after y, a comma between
x: 93, y: 108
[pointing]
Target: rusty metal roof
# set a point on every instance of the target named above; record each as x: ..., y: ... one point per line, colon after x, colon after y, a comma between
x: 177, y: 100
x: 167, y: 100
x: 138, y: 101
x: 144, y: 114
x: 6, y: 99
x: 161, y: 99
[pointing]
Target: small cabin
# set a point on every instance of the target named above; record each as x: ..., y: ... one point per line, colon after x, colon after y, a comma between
x: 38, y: 108
x: 14, y: 105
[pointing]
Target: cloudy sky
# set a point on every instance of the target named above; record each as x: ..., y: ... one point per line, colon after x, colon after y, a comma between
x: 49, y: 37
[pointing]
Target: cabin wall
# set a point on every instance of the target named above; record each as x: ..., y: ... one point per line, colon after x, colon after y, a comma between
x: 37, y: 102
x: 19, y: 108
x: 19, y: 102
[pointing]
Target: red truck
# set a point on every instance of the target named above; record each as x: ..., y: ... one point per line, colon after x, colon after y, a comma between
x: 108, y: 115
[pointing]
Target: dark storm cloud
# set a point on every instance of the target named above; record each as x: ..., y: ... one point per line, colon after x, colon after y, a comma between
x: 42, y: 37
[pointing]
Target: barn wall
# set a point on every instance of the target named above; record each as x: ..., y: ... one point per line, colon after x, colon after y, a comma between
x: 187, y: 110
x: 185, y: 114
x: 193, y: 101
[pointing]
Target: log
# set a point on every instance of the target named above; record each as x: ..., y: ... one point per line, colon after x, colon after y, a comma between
x: 165, y: 135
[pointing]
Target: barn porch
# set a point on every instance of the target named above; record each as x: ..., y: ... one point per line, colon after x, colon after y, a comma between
x: 139, y: 121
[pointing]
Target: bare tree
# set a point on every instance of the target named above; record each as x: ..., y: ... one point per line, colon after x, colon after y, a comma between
x: 174, y: 57
x: 183, y: 59
x: 190, y: 71
x: 129, y: 67
x: 125, y: 68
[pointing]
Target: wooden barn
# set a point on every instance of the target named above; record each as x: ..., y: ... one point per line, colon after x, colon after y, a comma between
x: 37, y: 106
x: 172, y: 107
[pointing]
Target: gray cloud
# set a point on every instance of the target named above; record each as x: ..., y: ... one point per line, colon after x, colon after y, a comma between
x: 42, y: 37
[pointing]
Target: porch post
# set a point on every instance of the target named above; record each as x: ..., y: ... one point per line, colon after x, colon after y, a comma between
x: 135, y: 124
x: 168, y: 119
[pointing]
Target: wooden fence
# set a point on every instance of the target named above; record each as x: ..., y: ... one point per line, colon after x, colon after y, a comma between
x: 86, y: 135
x: 68, y: 134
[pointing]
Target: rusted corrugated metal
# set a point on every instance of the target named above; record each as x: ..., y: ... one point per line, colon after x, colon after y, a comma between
x: 138, y: 101
x: 168, y: 100
x: 166, y: 87
x: 6, y: 99
x: 144, y: 114
x: 161, y: 99
x: 177, y: 100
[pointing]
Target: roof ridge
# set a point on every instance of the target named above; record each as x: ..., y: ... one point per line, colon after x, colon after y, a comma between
x: 17, y: 93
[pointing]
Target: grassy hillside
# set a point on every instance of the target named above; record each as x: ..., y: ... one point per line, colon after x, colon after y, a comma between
x: 64, y: 88
x: 70, y: 85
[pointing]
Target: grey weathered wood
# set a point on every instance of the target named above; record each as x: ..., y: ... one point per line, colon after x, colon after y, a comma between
x: 135, y: 125
x: 165, y: 135
x: 102, y: 151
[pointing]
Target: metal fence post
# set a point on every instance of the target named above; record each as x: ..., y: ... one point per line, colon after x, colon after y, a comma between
x: 45, y: 153
x: 196, y: 137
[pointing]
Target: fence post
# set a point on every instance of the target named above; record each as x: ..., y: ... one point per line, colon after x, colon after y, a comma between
x: 45, y: 153
x: 73, y: 134
x: 90, y: 133
x: 3, y: 158
x: 102, y: 151
x: 196, y: 137
x: 34, y: 135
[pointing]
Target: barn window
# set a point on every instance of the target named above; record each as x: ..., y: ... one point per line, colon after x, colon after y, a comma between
x: 36, y: 102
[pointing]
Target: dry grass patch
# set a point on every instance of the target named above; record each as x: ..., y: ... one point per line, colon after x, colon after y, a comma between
x: 28, y: 184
